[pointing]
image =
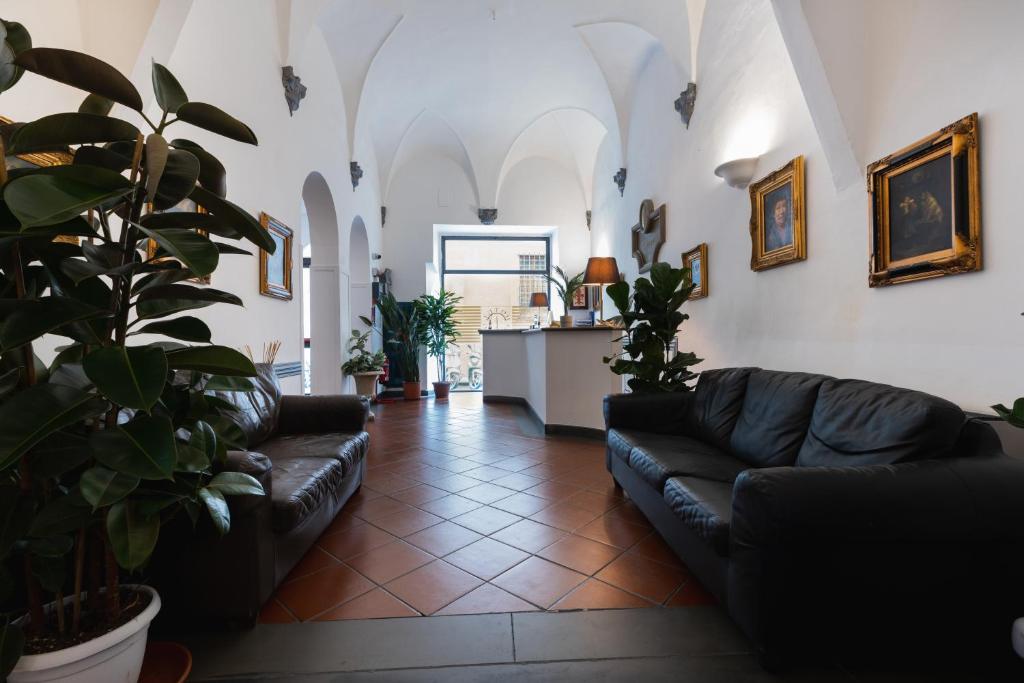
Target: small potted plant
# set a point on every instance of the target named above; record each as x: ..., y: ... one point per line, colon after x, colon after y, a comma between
x: 362, y: 365
x: 406, y: 329
x: 437, y: 314
x: 566, y: 287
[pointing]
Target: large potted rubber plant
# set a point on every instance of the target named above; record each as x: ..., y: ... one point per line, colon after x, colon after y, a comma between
x: 437, y: 314
x: 405, y: 328
x: 117, y: 434
x: 650, y: 318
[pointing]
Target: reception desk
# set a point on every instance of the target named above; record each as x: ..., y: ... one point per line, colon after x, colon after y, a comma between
x: 557, y: 373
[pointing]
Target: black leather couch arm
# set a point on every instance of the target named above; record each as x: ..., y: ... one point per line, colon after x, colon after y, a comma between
x: 322, y: 414
x: 811, y: 542
x: 660, y: 413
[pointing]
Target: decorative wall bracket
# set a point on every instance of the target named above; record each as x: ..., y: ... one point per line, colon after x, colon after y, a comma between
x: 356, y: 173
x: 294, y: 91
x: 383, y: 215
x: 590, y: 215
x: 648, y: 235
x: 487, y: 216
x: 686, y: 102
x: 620, y: 180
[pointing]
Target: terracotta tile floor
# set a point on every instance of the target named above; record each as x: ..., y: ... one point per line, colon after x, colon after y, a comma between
x: 464, y: 512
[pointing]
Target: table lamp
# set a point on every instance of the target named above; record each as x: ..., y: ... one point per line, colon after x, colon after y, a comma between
x: 601, y: 270
x: 538, y: 300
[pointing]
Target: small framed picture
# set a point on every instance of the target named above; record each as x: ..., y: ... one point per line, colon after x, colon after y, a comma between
x: 778, y: 229
x: 276, y: 268
x: 580, y: 299
x: 697, y: 261
x: 926, y: 208
x: 184, y: 206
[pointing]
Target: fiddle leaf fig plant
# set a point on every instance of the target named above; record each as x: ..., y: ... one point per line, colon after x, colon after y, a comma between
x: 651, y: 319
x: 117, y: 434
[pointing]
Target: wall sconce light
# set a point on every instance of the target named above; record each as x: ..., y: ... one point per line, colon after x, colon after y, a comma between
x: 738, y: 172
x: 375, y: 256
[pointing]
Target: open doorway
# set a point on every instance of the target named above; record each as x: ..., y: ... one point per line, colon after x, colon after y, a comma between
x: 321, y: 289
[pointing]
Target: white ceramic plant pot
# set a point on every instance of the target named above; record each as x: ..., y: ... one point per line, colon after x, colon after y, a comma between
x: 114, y: 657
x: 1017, y: 637
x: 366, y: 382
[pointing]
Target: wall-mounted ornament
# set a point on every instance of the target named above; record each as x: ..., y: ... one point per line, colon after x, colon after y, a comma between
x: 590, y: 216
x: 294, y: 91
x: 487, y: 216
x: 620, y: 180
x: 697, y: 261
x: 383, y: 215
x: 276, y: 268
x: 687, y: 100
x: 648, y: 235
x: 356, y: 173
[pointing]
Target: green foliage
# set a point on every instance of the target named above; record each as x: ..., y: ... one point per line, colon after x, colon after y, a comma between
x: 1015, y: 415
x: 113, y: 440
x: 437, y: 314
x: 651, y: 318
x: 407, y: 331
x: 359, y: 358
x: 565, y: 286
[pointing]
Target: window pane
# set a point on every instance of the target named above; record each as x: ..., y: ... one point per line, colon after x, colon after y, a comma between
x: 494, y: 254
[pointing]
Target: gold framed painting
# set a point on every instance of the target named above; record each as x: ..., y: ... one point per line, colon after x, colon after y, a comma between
x: 778, y: 225
x: 276, y: 268
x: 697, y: 261
x: 184, y: 206
x: 926, y: 208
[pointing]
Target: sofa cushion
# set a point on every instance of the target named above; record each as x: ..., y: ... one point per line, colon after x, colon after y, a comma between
x: 863, y: 423
x: 773, y: 423
x: 717, y: 403
x: 300, y: 485
x: 258, y: 410
x: 656, y: 457
x: 704, y: 506
x: 347, y: 449
x: 621, y: 442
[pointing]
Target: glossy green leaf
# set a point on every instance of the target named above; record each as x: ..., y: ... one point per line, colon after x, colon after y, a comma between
x: 236, y: 484
x: 204, y: 439
x: 58, y: 131
x: 239, y: 220
x: 156, y: 160
x: 14, y: 39
x: 12, y: 644
x: 60, y: 193
x: 195, y: 251
x: 190, y: 220
x: 185, y: 328
x: 219, y: 383
x: 132, y: 377
x: 231, y: 249
x: 215, y: 120
x: 212, y: 174
x: 132, y: 534
x: 51, y: 546
x: 168, y: 91
x: 9, y: 380
x: 191, y: 459
x: 178, y: 291
x: 91, y: 155
x: 161, y: 308
x: 218, y: 509
x: 102, y: 486
x: 178, y: 180
x: 215, y: 360
x: 58, y: 453
x: 229, y: 434
x: 35, y: 317
x: 81, y: 71
x: 33, y: 414
x: 95, y: 104
x: 16, y: 513
x: 143, y: 447
x: 60, y: 516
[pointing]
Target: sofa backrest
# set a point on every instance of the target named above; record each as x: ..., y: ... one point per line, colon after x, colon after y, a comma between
x: 258, y: 410
x: 717, y: 402
x: 863, y: 423
x: 776, y: 411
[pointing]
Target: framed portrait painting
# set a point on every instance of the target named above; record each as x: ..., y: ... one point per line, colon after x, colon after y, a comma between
x: 580, y: 299
x: 926, y: 208
x: 276, y: 268
x: 778, y: 227
x: 697, y: 261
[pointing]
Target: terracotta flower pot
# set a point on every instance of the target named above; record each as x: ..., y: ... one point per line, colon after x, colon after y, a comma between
x: 566, y: 320
x: 411, y: 391
x: 441, y: 390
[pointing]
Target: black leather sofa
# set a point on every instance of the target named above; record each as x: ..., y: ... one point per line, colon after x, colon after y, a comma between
x: 309, y: 453
x: 832, y: 518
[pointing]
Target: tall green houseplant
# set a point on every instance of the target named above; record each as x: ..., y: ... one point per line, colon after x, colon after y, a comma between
x: 566, y: 287
x: 406, y: 330
x: 437, y: 314
x: 117, y: 434
x: 651, y: 318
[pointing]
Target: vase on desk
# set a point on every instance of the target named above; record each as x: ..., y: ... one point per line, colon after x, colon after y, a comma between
x: 565, y: 321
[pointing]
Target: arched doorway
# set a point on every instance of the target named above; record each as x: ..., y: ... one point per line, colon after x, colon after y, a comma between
x: 360, y: 280
x: 323, y: 292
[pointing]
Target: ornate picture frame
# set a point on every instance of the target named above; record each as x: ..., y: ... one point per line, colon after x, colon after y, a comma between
x: 152, y: 248
x: 778, y: 225
x: 580, y: 299
x: 925, y: 204
x: 276, y: 268
x: 697, y: 261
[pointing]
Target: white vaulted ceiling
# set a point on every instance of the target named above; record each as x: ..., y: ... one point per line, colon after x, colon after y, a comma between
x: 491, y: 83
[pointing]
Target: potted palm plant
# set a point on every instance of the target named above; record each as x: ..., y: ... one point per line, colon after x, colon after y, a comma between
x: 437, y: 314
x: 406, y: 329
x: 566, y: 287
x: 117, y: 434
x: 363, y: 365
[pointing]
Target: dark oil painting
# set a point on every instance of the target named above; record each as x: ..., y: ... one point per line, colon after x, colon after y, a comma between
x: 778, y: 218
x: 920, y: 210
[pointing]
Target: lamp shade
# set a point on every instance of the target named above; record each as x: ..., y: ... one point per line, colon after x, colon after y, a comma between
x: 539, y: 300
x: 601, y: 270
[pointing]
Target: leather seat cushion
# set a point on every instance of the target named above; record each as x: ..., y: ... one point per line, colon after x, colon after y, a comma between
x: 621, y: 442
x: 863, y: 423
x: 257, y: 410
x: 773, y: 422
x: 717, y: 402
x: 704, y: 506
x: 300, y: 486
x: 657, y: 457
x: 348, y: 449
